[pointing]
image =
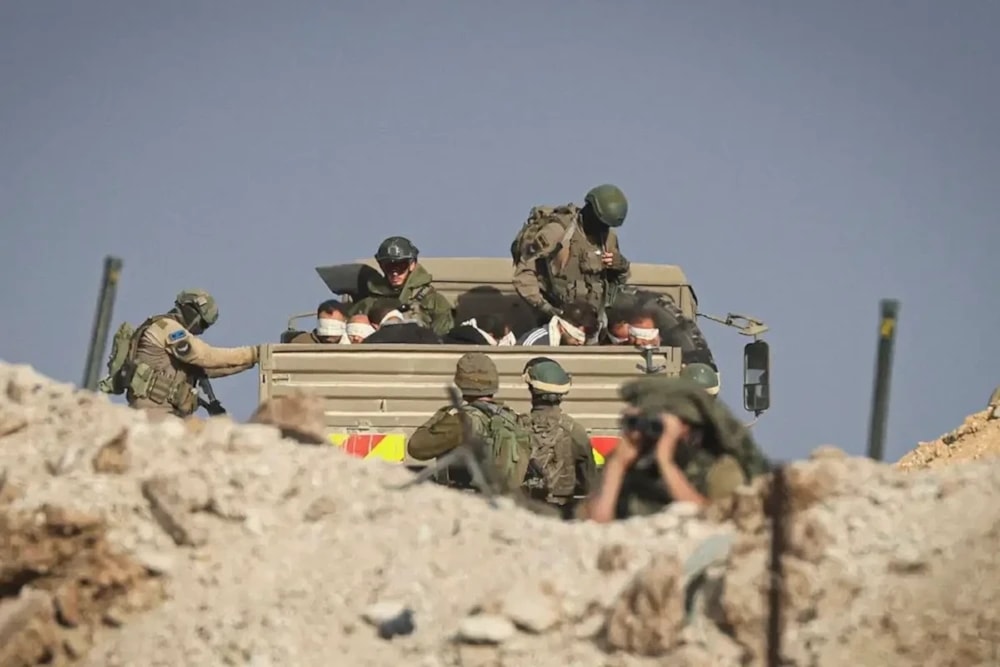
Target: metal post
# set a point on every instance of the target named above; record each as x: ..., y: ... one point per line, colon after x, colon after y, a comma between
x: 102, y: 322
x: 883, y: 372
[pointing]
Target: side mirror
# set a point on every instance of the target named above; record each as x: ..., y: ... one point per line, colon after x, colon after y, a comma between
x: 756, y: 377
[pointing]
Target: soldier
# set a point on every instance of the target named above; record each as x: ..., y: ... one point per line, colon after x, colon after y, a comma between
x: 406, y: 280
x: 331, y: 325
x: 563, y: 451
x: 567, y: 253
x: 677, y: 444
x: 703, y: 375
x: 166, y: 358
x: 509, y: 439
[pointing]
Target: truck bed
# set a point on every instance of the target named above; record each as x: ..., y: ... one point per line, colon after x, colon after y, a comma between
x: 376, y: 395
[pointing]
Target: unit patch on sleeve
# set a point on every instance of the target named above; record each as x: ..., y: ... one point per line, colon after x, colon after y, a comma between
x: 177, y: 335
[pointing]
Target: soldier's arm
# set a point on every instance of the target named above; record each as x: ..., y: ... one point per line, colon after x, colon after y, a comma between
x: 723, y: 478
x: 619, y: 263
x: 526, y: 279
x: 442, y: 319
x: 436, y: 436
x: 183, y: 346
x: 227, y: 370
x: 586, y: 467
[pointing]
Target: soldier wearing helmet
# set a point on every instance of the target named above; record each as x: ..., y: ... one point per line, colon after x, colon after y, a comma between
x: 692, y: 449
x: 166, y: 358
x: 403, y: 278
x: 567, y: 253
x: 509, y: 439
x: 562, y: 447
x: 704, y: 376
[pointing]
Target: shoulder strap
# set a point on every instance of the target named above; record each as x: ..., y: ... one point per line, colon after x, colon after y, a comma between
x: 133, y: 346
x: 419, y: 295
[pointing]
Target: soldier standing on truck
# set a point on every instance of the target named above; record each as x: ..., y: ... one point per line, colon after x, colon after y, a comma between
x: 566, y: 253
x: 677, y: 444
x: 331, y: 325
x: 508, y: 439
x: 404, y: 279
x: 158, y: 365
x: 562, y: 447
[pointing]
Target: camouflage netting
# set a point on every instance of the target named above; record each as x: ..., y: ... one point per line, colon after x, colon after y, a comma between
x: 208, y: 543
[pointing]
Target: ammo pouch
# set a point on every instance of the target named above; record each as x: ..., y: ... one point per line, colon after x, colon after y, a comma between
x: 146, y: 382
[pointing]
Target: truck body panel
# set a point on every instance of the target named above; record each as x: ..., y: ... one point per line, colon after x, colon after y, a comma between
x: 376, y: 395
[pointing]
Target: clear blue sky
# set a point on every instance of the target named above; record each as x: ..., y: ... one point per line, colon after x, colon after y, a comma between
x: 799, y: 160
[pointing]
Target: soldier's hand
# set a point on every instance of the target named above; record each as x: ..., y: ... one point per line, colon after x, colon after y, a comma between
x: 608, y: 259
x: 256, y: 354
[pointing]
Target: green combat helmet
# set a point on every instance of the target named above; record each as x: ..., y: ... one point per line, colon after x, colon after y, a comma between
x: 201, y: 302
x: 476, y: 375
x: 396, y: 249
x: 609, y: 204
x: 704, y: 375
x: 546, y: 376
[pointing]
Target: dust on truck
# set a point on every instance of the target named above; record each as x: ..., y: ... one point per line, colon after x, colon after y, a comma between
x: 375, y: 396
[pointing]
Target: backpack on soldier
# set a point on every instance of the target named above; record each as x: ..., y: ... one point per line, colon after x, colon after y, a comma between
x: 510, y: 440
x: 116, y: 382
x: 525, y: 244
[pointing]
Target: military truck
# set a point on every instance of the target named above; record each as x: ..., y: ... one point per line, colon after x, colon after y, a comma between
x: 377, y: 395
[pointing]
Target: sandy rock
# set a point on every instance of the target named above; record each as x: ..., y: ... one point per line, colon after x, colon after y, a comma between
x: 172, y: 511
x: 299, y: 416
x: 485, y: 629
x: 113, y: 457
x: 648, y: 615
x: 531, y: 609
x: 884, y: 565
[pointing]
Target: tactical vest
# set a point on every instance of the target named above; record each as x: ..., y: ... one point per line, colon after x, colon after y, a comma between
x: 573, y: 270
x: 159, y: 378
x: 553, y: 451
x: 414, y: 306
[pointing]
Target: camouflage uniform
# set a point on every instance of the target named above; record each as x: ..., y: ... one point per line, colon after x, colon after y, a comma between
x: 726, y: 458
x: 494, y: 423
x: 166, y: 357
x: 553, y: 272
x: 417, y: 294
x: 562, y: 447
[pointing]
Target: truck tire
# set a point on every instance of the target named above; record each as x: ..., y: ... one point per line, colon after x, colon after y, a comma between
x: 676, y: 330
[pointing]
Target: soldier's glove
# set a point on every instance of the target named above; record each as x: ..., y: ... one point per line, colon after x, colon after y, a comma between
x: 215, y: 408
x: 256, y: 354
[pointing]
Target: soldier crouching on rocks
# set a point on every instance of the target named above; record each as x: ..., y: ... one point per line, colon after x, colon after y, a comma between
x: 166, y: 358
x: 562, y: 449
x: 678, y: 443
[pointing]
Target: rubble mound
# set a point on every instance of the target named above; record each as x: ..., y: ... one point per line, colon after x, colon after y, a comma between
x: 206, y: 542
x: 977, y: 438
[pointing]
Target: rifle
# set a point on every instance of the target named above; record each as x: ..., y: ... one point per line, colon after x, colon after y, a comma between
x: 212, y: 406
x: 473, y: 453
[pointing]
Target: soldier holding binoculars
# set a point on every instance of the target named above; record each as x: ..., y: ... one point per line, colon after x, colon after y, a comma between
x: 677, y: 444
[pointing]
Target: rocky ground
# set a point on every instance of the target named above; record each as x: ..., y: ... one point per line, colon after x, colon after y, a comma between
x: 127, y: 542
